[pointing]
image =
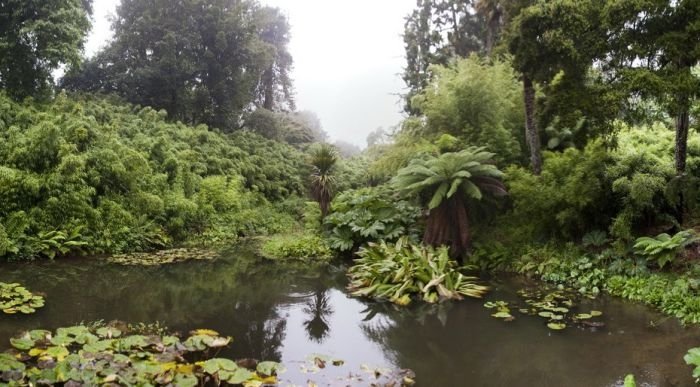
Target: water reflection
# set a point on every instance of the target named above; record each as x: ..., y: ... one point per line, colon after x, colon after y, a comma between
x: 318, y: 309
x: 286, y: 312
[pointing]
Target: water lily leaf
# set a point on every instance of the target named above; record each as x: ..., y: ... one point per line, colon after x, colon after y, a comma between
x: 108, y: 332
x: 270, y: 368
x: 99, y: 346
x: 205, y: 332
x: 212, y: 366
x: 23, y: 343
x: 503, y: 315
x: 185, y: 380
x: 238, y: 376
x: 58, y: 353
x: 545, y: 314
x: 583, y: 316
x: 39, y: 334
x: 556, y: 326
x: 596, y: 313
x: 35, y: 352
x: 8, y: 363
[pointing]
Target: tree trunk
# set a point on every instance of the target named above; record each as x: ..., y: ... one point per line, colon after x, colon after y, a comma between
x: 531, y: 135
x: 268, y: 89
x: 681, y: 151
x: 448, y: 225
x: 682, y: 124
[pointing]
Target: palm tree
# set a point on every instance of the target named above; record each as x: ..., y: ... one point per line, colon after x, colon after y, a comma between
x: 446, y: 183
x: 323, y: 159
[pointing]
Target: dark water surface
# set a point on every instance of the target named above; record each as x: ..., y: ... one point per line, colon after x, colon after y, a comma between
x: 287, y: 312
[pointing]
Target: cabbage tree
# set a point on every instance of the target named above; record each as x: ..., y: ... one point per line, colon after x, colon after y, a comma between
x: 323, y: 160
x: 445, y: 184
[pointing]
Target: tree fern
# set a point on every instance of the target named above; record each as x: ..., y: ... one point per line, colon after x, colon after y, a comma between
x: 445, y: 184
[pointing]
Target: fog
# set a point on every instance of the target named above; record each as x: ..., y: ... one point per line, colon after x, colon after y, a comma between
x: 348, y: 57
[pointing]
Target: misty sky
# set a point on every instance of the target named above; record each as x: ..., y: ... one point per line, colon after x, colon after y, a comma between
x: 348, y: 56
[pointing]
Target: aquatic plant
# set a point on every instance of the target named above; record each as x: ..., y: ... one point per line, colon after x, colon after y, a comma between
x: 108, y: 355
x: 555, y: 306
x: 664, y: 248
x: 398, y: 271
x: 163, y: 257
x: 693, y: 358
x: 15, y: 298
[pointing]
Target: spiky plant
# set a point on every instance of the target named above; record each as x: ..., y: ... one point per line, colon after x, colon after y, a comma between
x: 445, y: 184
x: 323, y: 159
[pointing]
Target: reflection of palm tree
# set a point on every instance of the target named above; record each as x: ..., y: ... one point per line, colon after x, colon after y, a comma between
x: 319, y: 310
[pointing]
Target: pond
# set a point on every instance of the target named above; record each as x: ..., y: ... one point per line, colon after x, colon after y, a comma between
x: 287, y: 312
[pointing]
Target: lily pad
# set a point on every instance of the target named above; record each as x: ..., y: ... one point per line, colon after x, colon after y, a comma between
x: 82, y: 355
x: 14, y: 298
x: 163, y: 257
x: 503, y: 315
x: 557, y: 326
x: 596, y: 313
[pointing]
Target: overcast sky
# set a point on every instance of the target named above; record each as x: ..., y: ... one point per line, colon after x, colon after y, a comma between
x: 348, y: 56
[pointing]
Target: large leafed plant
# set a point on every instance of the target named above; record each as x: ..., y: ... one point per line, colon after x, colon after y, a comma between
x: 445, y: 184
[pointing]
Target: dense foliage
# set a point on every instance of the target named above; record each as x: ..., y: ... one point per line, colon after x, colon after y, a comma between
x: 109, y: 354
x: 36, y: 38
x: 445, y: 185
x: 396, y: 272
x: 85, y: 174
x: 296, y: 246
x: 369, y: 214
x: 203, y: 63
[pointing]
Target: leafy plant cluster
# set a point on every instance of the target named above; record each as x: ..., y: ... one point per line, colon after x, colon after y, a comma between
x: 16, y: 298
x: 89, y: 175
x: 296, y: 246
x: 109, y: 355
x: 628, y: 191
x: 369, y: 214
x: 398, y: 272
x: 675, y: 294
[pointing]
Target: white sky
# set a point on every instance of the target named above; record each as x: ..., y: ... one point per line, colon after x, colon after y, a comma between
x: 348, y: 57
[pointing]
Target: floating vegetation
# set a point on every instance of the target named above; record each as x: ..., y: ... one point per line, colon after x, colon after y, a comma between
x: 82, y: 355
x: 555, y: 306
x: 15, y: 298
x: 502, y: 310
x: 368, y: 376
x: 398, y: 271
x: 163, y: 257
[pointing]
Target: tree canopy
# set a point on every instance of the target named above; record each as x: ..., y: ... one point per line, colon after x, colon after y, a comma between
x: 203, y: 62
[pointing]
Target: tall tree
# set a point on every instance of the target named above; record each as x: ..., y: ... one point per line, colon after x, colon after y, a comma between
x: 275, y: 90
x: 549, y: 40
x: 655, y: 46
x: 37, y: 37
x: 204, y: 62
x: 435, y: 32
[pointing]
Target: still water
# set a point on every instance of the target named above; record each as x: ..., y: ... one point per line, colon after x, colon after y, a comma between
x: 287, y: 312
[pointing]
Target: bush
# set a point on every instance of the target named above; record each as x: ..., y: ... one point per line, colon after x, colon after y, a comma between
x: 129, y: 180
x: 298, y: 246
x: 369, y: 214
x: 396, y: 272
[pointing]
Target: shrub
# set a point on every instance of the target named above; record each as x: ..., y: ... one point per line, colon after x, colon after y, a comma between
x: 396, y: 272
x: 369, y: 214
x: 299, y: 246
